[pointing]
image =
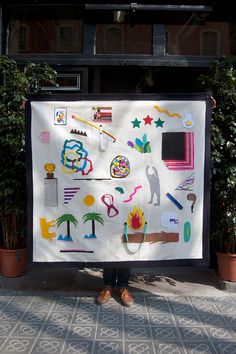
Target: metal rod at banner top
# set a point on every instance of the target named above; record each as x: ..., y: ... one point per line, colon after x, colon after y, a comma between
x: 135, y: 6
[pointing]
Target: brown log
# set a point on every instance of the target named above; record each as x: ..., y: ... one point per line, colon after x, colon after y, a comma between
x: 154, y: 237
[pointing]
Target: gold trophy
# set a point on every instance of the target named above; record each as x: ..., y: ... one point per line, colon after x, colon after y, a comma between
x: 49, y: 168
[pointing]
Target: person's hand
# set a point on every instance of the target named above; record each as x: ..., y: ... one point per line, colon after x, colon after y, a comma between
x: 23, y: 103
x: 213, y: 103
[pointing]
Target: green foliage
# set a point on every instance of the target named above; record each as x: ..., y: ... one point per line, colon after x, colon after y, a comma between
x: 16, y: 84
x: 221, y: 80
x: 93, y: 217
x: 67, y: 218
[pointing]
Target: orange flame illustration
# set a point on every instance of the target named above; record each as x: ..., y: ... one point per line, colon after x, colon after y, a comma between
x: 135, y: 220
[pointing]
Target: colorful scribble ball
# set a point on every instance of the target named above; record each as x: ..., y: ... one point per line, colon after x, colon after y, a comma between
x: 120, y: 167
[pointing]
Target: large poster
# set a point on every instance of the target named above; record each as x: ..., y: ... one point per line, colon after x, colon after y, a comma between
x: 117, y: 180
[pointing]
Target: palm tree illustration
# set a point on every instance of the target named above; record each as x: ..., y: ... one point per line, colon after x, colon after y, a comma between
x: 93, y: 217
x: 68, y: 218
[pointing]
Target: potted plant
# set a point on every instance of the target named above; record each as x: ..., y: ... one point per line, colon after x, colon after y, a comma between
x: 221, y: 80
x: 16, y: 83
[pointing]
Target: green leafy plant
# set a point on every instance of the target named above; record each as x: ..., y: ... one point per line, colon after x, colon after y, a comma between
x: 16, y: 84
x: 221, y: 80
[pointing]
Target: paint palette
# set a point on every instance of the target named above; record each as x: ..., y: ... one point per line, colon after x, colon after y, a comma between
x: 120, y: 167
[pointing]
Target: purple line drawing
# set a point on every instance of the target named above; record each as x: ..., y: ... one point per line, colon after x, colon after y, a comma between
x: 186, y: 184
x: 69, y: 193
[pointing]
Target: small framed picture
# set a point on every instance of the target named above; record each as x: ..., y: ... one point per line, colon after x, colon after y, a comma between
x: 60, y: 116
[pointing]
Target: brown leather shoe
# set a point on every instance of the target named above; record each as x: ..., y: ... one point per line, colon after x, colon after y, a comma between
x: 125, y: 297
x: 104, y: 296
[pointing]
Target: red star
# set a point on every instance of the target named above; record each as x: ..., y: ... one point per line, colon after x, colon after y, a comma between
x: 148, y: 120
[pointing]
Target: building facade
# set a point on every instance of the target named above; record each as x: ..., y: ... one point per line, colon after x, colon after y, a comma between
x: 120, y: 46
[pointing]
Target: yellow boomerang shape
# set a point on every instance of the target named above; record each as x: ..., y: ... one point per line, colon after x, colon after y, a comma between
x: 170, y: 114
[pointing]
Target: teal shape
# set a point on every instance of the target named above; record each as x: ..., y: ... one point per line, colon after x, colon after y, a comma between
x: 187, y: 231
x: 136, y: 123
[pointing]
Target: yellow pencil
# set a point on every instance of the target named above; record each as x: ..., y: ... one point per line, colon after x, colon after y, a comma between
x: 94, y: 126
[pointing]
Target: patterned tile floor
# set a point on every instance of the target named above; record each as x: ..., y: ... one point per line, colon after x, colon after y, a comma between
x: 33, y: 324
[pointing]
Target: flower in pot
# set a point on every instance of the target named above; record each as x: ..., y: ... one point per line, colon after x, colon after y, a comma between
x: 16, y: 84
x: 221, y: 80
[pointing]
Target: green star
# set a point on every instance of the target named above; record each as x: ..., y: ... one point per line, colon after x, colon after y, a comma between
x: 159, y: 123
x: 136, y: 123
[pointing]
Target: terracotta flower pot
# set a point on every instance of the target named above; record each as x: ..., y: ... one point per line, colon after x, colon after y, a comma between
x: 13, y: 262
x: 226, y: 266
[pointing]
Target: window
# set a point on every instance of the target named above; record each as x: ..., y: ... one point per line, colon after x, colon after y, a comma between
x: 21, y: 34
x: 113, y: 40
x: 210, y: 43
x: 145, y: 35
x: 36, y: 31
x: 23, y: 42
x: 123, y: 39
x: 65, y: 38
x: 209, y: 38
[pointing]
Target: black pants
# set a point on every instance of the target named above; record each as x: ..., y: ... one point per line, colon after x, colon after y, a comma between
x: 116, y: 277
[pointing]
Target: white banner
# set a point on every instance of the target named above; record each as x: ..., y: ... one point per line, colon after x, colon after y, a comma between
x: 117, y: 180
